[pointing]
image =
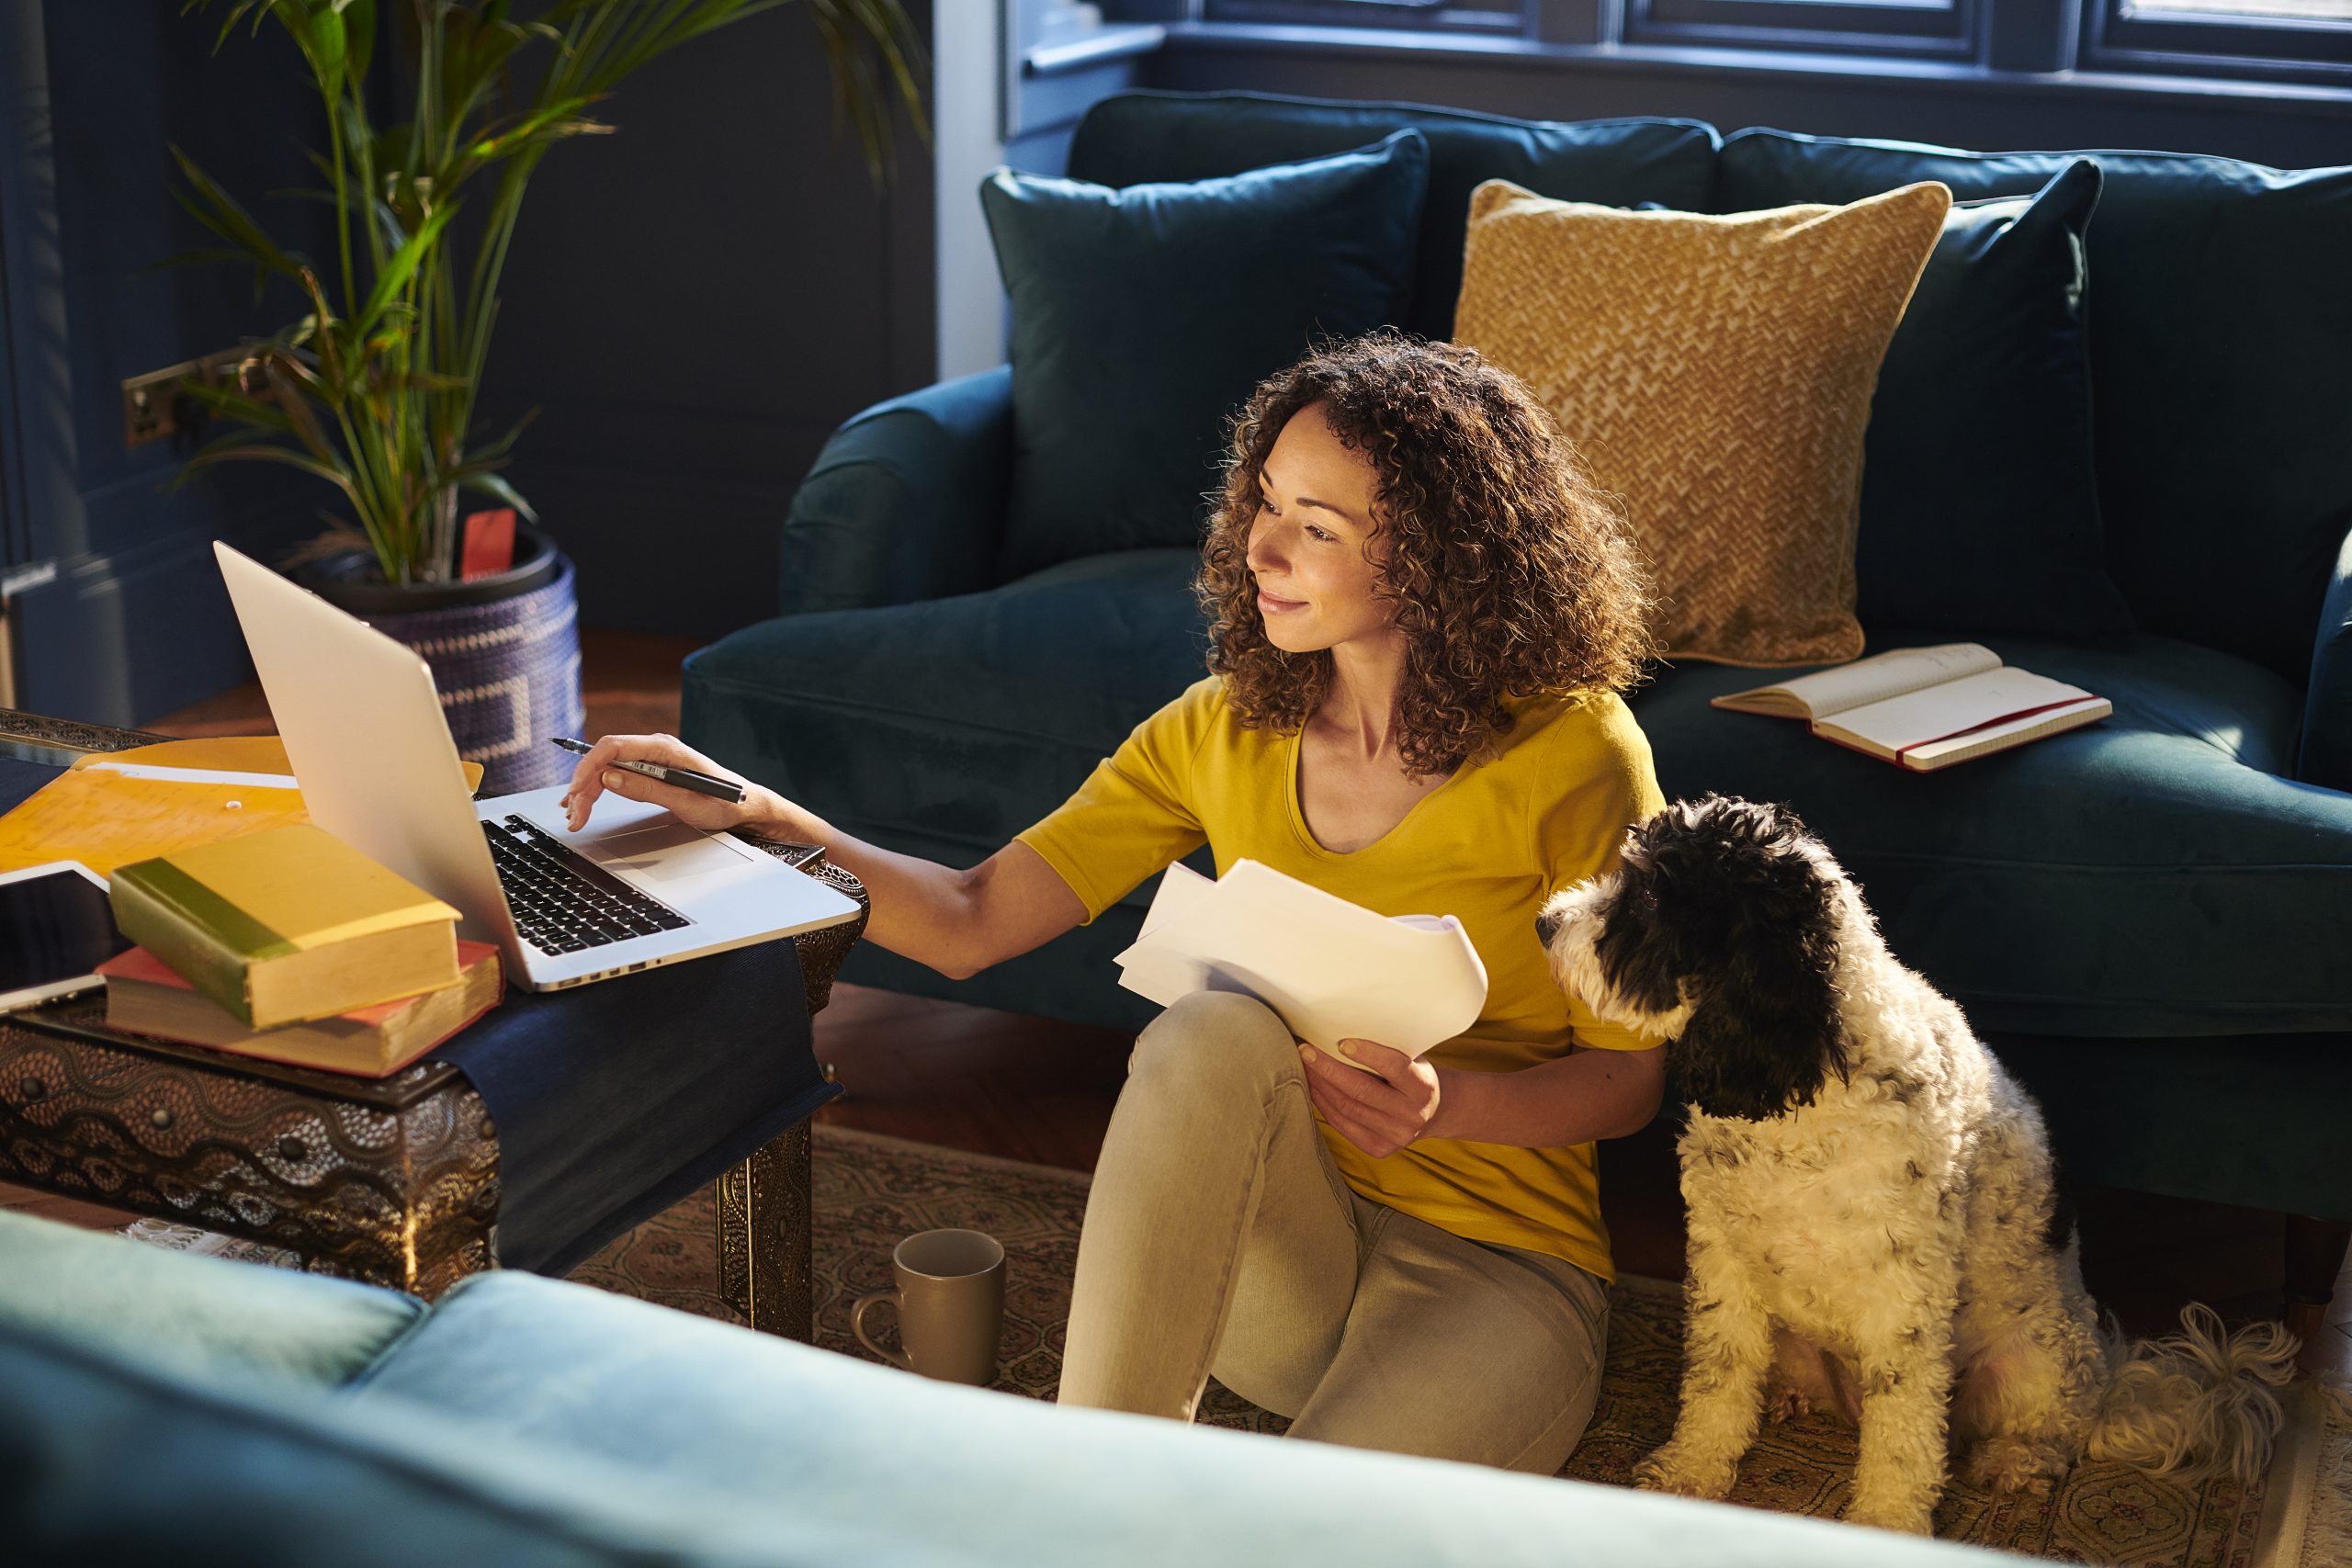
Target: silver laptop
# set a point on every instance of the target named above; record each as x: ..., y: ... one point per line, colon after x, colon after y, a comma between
x: 366, y: 737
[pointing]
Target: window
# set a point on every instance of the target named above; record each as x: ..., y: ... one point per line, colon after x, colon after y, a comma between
x: 2298, y: 41
x: 1448, y: 16
x: 2310, y: 39
x: 1929, y: 28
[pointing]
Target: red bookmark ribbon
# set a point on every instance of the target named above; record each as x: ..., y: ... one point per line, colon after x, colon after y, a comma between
x: 1902, y: 751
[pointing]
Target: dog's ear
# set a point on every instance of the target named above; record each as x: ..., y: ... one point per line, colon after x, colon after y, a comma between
x: 1764, y: 1033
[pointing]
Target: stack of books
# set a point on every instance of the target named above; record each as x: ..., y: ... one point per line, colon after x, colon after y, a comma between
x: 291, y: 946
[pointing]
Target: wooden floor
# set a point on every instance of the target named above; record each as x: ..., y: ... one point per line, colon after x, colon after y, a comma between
x: 1035, y: 1090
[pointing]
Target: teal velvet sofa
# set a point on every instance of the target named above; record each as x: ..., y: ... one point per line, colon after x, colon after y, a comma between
x: 162, y: 1408
x: 2148, y: 918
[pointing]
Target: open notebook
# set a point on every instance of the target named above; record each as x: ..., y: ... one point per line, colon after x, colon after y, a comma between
x: 1924, y: 708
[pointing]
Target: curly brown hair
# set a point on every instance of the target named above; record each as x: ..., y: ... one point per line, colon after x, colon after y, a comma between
x: 1510, y: 572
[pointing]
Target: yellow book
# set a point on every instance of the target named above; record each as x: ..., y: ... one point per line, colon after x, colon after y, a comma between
x: 287, y: 925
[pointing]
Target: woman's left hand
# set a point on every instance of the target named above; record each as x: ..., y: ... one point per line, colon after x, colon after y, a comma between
x: 1381, y: 1110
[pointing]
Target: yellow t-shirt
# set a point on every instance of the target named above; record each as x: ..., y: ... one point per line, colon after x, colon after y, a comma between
x: 1487, y: 846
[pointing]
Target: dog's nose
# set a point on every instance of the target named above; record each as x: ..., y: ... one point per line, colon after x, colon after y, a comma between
x: 1546, y: 926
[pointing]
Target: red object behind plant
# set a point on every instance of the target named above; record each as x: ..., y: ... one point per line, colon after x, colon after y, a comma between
x: 489, y: 542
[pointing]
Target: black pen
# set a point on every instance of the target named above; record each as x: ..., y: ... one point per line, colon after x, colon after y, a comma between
x: 726, y: 790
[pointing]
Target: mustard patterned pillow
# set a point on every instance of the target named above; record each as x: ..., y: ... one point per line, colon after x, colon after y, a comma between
x: 1715, y: 374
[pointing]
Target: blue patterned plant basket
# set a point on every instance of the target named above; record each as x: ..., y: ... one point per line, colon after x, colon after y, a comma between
x: 508, y: 672
x: 503, y: 649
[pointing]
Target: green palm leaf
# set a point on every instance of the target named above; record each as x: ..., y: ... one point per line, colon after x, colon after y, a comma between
x: 401, y: 267
x: 493, y: 485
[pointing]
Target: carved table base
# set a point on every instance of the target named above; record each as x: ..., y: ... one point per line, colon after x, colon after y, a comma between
x: 393, y: 1181
x: 765, y: 1271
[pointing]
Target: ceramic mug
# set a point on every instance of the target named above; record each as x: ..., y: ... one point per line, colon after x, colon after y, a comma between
x: 951, y: 1306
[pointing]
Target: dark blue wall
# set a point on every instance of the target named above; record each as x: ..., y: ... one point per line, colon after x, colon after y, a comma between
x: 136, y: 622
x: 695, y: 303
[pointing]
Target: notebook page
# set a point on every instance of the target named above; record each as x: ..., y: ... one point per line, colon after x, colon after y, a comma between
x: 1875, y: 678
x: 1947, y: 709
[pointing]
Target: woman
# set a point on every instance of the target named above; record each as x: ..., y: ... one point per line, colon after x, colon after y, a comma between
x: 1421, y: 614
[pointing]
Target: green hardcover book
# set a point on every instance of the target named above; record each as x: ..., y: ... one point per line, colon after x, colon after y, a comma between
x: 287, y: 925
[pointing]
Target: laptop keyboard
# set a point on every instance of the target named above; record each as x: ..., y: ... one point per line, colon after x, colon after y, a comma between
x: 563, y: 901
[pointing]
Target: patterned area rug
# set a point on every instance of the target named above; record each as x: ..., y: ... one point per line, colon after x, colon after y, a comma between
x: 2309, y: 1523
x: 871, y: 1191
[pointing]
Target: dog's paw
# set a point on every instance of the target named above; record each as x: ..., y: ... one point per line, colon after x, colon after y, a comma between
x: 1671, y: 1469
x: 2014, y: 1465
x: 1886, y: 1514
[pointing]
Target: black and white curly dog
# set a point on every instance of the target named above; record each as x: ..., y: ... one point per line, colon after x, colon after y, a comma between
x: 1873, y: 1228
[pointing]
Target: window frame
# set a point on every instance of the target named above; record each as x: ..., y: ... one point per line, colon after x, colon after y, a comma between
x: 2104, y: 40
x: 2215, y: 44
x: 1491, y: 17
x: 1948, y: 33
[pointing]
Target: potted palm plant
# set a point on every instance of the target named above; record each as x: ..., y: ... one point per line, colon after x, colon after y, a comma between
x: 372, y: 389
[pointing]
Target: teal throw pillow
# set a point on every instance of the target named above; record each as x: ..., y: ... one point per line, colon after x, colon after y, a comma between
x: 1151, y: 134
x: 1980, y: 490
x: 1143, y: 317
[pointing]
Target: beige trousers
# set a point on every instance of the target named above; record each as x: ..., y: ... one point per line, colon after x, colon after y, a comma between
x: 1219, y: 1238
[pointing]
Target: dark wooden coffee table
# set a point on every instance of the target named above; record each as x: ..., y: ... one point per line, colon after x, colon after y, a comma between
x: 391, y: 1180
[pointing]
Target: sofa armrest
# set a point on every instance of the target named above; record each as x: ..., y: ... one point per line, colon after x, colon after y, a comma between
x: 907, y: 501
x: 110, y: 1294
x: 2325, y: 756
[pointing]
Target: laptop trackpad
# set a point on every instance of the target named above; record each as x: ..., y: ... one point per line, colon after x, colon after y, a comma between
x: 664, y: 853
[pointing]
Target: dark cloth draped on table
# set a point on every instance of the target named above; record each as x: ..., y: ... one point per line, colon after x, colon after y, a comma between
x: 613, y: 1100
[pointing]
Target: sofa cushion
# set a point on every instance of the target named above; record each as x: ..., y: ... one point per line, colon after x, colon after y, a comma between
x: 958, y: 721
x: 1141, y: 136
x: 1715, y: 374
x: 105, y: 1290
x: 1980, y: 503
x: 2223, y: 403
x: 944, y: 1473
x: 1143, y: 318
x: 2148, y: 875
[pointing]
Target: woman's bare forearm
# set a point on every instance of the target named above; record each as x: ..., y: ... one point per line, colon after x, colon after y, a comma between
x: 1578, y: 1098
x: 958, y: 923
x: 921, y: 910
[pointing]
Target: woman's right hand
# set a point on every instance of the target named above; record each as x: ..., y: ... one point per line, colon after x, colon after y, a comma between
x: 595, y: 775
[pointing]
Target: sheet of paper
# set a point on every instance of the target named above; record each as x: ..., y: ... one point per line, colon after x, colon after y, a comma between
x: 198, y: 776
x: 1331, y: 969
x: 1180, y: 889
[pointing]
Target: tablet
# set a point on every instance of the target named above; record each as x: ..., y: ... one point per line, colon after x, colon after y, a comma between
x: 56, y: 928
